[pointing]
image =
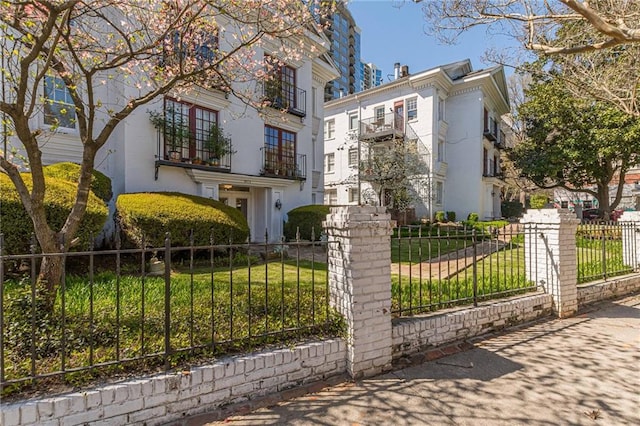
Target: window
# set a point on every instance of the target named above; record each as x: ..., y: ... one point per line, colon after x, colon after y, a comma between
x: 486, y: 120
x: 331, y: 197
x: 439, y: 193
x: 191, y: 44
x: 329, y: 162
x: 330, y: 129
x: 279, y: 151
x: 353, y: 157
x: 412, y: 109
x: 564, y: 204
x: 58, y: 105
x: 496, y: 164
x: 587, y: 204
x: 379, y: 114
x: 353, y: 121
x: 440, y: 150
x: 353, y: 195
x: 281, y: 88
x: 441, y: 106
x: 188, y: 131
x: 485, y: 161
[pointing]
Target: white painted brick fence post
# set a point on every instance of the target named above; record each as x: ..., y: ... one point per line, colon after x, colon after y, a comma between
x: 359, y: 251
x: 550, y: 256
x: 630, y: 222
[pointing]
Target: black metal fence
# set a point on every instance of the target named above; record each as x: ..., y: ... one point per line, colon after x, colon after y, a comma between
x: 600, y: 249
x: 435, y: 268
x: 155, y: 308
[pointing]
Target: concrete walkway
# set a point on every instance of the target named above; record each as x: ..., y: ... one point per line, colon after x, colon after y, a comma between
x: 579, y: 371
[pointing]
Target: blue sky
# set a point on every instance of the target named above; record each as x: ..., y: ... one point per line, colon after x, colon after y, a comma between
x: 394, y: 31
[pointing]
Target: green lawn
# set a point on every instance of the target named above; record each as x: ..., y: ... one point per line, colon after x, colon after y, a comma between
x: 499, y: 274
x: 221, y: 310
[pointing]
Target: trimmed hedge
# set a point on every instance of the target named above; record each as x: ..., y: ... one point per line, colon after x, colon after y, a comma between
x: 152, y: 214
x: 59, y: 199
x: 306, y: 218
x: 100, y: 184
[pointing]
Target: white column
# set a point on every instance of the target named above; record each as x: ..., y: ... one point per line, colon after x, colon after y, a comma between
x: 359, y: 239
x: 550, y: 255
x: 630, y: 223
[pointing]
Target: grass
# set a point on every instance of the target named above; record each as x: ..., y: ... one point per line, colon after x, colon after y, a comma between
x: 215, y: 311
x: 499, y: 274
x: 425, y: 248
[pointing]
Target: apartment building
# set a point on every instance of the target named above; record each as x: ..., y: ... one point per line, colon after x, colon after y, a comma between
x: 344, y: 38
x: 204, y: 141
x: 449, y: 116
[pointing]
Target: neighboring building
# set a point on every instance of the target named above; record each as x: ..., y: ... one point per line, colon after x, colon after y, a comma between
x: 344, y: 35
x: 272, y: 163
x: 450, y: 113
x: 578, y: 201
x: 371, y: 76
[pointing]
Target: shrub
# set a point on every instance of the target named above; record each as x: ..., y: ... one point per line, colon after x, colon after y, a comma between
x: 440, y: 216
x: 100, y: 184
x: 451, y: 216
x: 473, y: 217
x: 511, y: 209
x: 152, y: 214
x: 59, y: 199
x: 306, y: 218
x: 538, y: 201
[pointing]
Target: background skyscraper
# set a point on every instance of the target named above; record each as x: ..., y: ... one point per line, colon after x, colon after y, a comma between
x: 344, y: 35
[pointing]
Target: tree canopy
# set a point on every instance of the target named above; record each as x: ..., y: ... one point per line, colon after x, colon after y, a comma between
x: 575, y: 144
x: 534, y: 22
x: 111, y: 57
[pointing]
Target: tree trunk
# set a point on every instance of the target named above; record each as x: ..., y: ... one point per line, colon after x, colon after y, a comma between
x: 50, y: 278
x: 603, y: 200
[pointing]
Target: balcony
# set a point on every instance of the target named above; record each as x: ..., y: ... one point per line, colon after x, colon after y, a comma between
x: 287, y: 97
x: 176, y: 150
x: 387, y: 127
x: 283, y: 165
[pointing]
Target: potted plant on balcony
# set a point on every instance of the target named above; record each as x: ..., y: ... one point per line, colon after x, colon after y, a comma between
x: 176, y: 133
x: 217, y: 144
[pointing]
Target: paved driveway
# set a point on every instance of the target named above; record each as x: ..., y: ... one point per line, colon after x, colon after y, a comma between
x: 579, y: 371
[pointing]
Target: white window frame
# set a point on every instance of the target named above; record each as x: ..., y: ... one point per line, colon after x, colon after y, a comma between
x: 411, y: 106
x: 353, y: 194
x: 378, y: 113
x: 439, y: 193
x: 441, y: 150
x: 353, y: 121
x: 353, y: 157
x: 330, y: 129
x: 331, y: 197
x: 65, y: 101
x: 330, y: 162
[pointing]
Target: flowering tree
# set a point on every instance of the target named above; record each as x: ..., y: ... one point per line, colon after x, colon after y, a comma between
x: 148, y: 48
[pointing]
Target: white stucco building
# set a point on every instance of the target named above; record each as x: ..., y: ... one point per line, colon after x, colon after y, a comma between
x: 451, y: 113
x: 274, y: 163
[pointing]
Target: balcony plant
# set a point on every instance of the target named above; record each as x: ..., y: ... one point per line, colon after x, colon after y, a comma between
x: 176, y: 132
x: 217, y: 144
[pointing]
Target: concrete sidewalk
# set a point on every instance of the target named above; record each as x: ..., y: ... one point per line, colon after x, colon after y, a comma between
x: 579, y: 371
